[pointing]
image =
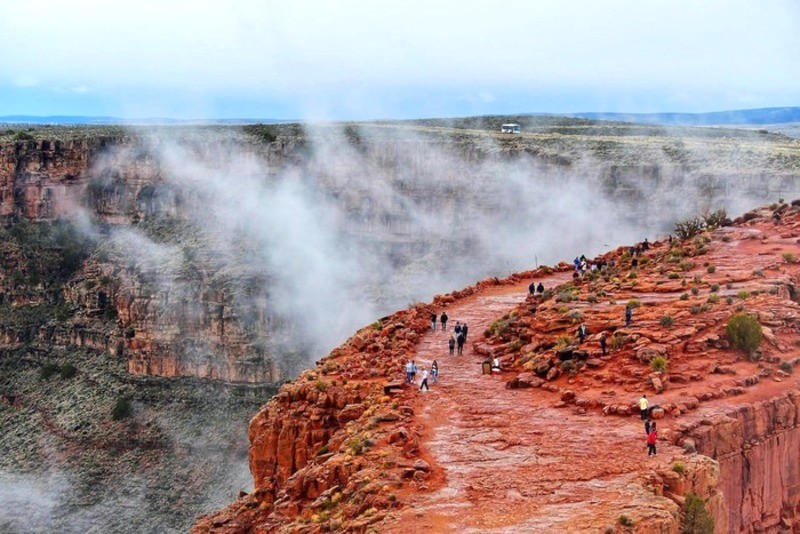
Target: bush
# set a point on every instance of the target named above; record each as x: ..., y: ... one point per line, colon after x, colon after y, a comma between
x: 673, y: 276
x: 695, y: 309
x: 786, y: 367
x: 695, y: 290
x: 686, y: 265
x: 568, y: 366
x: 694, y: 516
x: 625, y: 521
x: 743, y: 294
x: 685, y: 296
x: 744, y: 333
x: 713, y: 299
x: 679, y: 467
x: 714, y: 288
x: 666, y: 321
x: 710, y: 269
x: 634, y: 303
x: 48, y: 370
x: 788, y: 257
x: 68, y: 371
x: 23, y: 136
x: 122, y: 409
x: 689, y: 228
x: 659, y: 364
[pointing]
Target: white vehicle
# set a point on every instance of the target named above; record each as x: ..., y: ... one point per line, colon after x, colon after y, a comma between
x: 512, y: 128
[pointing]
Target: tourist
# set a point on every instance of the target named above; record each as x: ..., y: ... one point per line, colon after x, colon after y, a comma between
x: 435, y: 371
x: 460, y: 343
x: 495, y: 368
x: 424, y: 382
x: 409, y: 372
x: 540, y: 289
x: 647, y: 427
x: 582, y: 333
x: 643, y: 404
x: 413, y: 370
x: 532, y: 288
x: 443, y: 318
x: 603, y: 343
x: 433, y: 322
x: 451, y: 343
x: 652, y: 437
x: 464, y: 329
x: 628, y: 315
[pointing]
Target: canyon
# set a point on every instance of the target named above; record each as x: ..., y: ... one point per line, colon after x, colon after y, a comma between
x: 191, y: 271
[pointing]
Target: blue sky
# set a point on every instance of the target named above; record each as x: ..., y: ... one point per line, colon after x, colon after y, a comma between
x: 360, y: 59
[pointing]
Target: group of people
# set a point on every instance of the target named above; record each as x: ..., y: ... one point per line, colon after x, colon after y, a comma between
x: 412, y: 370
x: 533, y: 289
x: 650, y: 429
x: 459, y: 336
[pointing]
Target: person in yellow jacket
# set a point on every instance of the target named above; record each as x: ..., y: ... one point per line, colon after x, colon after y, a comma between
x: 643, y: 405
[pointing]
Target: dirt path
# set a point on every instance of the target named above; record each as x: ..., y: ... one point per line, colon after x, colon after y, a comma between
x: 507, y: 460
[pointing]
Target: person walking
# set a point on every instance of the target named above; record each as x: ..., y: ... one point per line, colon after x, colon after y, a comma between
x: 464, y: 328
x: 435, y: 371
x: 643, y: 405
x: 628, y: 315
x: 457, y: 329
x: 647, y: 427
x: 424, y: 382
x: 443, y: 318
x: 603, y: 343
x: 460, y: 343
x: 451, y: 343
x: 532, y: 288
x: 413, y: 370
x: 540, y: 289
x: 433, y: 322
x: 652, y: 438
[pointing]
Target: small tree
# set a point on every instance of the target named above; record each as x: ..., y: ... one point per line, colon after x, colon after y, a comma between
x: 744, y: 333
x: 694, y: 516
x: 122, y: 409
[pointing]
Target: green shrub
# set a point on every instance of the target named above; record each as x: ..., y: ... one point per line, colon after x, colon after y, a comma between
x: 122, y: 409
x: 714, y: 288
x: 758, y: 272
x: 562, y: 342
x: 625, y: 521
x: 744, y: 332
x: 694, y: 516
x: 23, y: 136
x: 728, y: 300
x: 679, y: 467
x: 686, y: 265
x: 634, y: 303
x: 788, y: 257
x: 666, y: 321
x: 68, y: 371
x: 695, y: 290
x: 713, y: 299
x: 695, y: 309
x: 673, y: 276
x: 659, y: 364
x: 48, y: 370
x: 710, y: 269
x: 743, y: 294
x: 685, y: 296
x: 689, y: 228
x: 568, y: 366
x: 321, y: 385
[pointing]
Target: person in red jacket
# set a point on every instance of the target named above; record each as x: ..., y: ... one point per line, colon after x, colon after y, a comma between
x: 652, y: 437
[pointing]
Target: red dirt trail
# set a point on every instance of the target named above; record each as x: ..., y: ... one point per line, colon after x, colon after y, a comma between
x: 508, y: 457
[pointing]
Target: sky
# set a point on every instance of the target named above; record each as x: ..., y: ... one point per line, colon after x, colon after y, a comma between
x: 369, y: 59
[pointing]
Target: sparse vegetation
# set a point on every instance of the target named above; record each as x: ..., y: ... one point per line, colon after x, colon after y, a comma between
x: 625, y: 521
x: 744, y: 333
x: 786, y: 367
x: 713, y: 299
x: 666, y: 321
x: 48, y: 370
x: 123, y: 409
x: 679, y: 467
x: 711, y: 269
x: 788, y: 257
x: 695, y: 519
x: 659, y: 364
x: 714, y: 288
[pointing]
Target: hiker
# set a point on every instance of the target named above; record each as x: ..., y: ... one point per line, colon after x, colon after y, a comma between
x: 464, y: 331
x: 451, y: 343
x: 634, y: 262
x: 647, y: 427
x: 409, y: 372
x: 652, y: 437
x: 443, y: 318
x: 577, y: 263
x: 603, y: 343
x: 582, y: 332
x: 645, y: 244
x: 460, y: 343
x: 495, y: 368
x: 424, y: 382
x: 643, y: 404
x: 433, y: 322
x: 435, y: 371
x: 532, y: 288
x: 413, y: 370
x: 628, y: 315
x: 458, y: 328
x: 540, y: 288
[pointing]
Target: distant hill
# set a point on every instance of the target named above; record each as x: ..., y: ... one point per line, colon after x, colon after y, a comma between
x: 87, y: 120
x: 739, y: 117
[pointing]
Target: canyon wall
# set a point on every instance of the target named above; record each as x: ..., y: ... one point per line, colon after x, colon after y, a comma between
x: 757, y: 447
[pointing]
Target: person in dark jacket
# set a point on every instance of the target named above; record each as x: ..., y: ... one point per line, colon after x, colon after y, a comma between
x: 582, y: 333
x: 443, y: 318
x: 603, y: 342
x: 464, y: 331
x: 451, y: 343
x: 532, y: 288
x: 433, y: 321
x: 540, y: 288
x: 460, y: 343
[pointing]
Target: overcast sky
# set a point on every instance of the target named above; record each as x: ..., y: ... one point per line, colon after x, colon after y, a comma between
x: 341, y: 59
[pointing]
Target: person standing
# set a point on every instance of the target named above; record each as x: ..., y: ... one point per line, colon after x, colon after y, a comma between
x: 409, y: 372
x: 540, y: 289
x: 435, y: 371
x: 451, y: 343
x: 647, y: 427
x: 628, y: 315
x: 413, y: 370
x: 464, y: 331
x: 443, y: 318
x: 603, y: 343
x: 424, y: 382
x: 532, y: 288
x: 582, y: 333
x: 457, y: 329
x: 433, y: 322
x: 460, y: 342
x: 643, y: 405
x: 652, y: 438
